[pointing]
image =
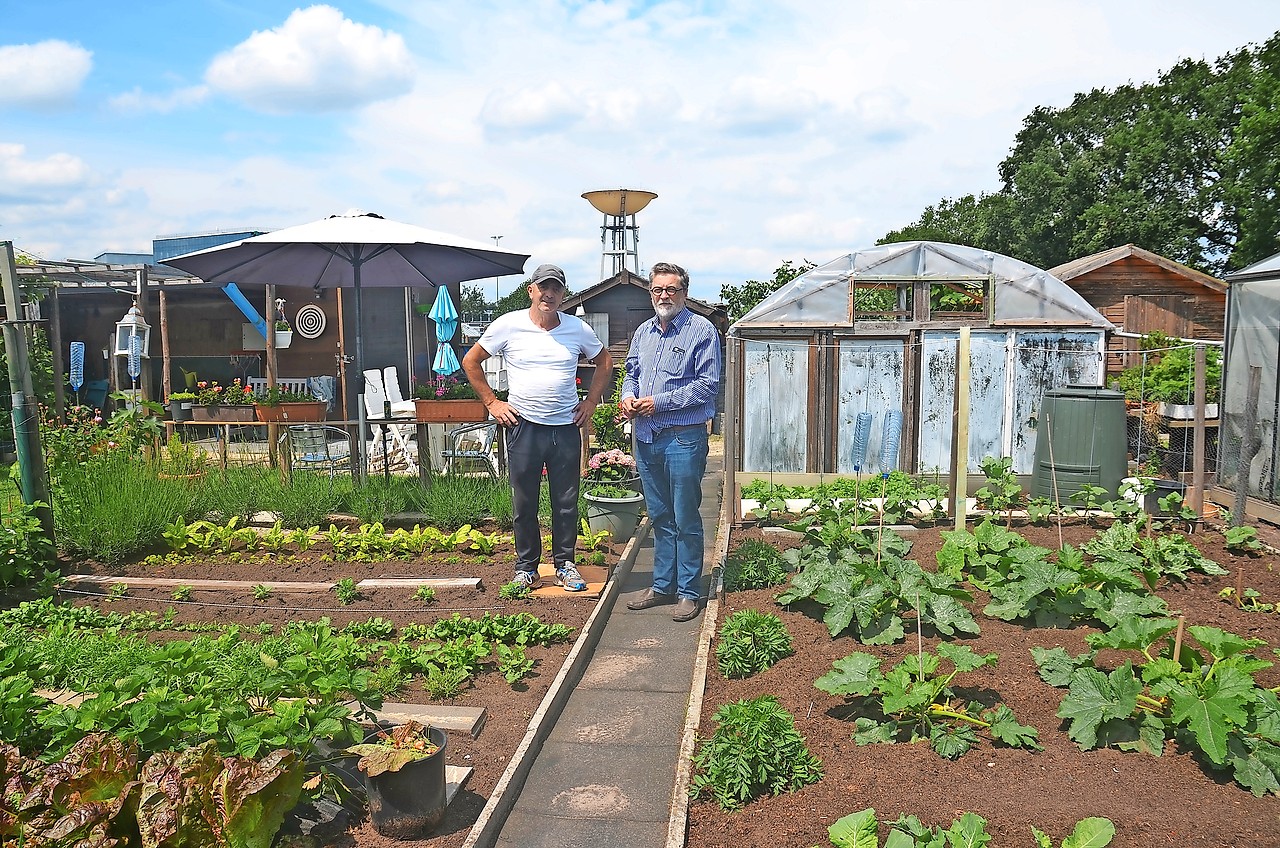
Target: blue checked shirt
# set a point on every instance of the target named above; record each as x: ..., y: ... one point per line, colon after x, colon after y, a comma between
x: 679, y: 368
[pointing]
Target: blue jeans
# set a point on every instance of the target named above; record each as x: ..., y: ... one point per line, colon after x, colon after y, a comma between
x: 530, y: 448
x: 671, y: 469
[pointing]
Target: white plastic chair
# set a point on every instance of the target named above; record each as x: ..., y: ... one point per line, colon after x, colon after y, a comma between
x: 399, y: 451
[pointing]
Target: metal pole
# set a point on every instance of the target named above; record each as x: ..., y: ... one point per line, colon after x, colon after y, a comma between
x: 1250, y: 444
x: 26, y: 431
x: 496, y: 297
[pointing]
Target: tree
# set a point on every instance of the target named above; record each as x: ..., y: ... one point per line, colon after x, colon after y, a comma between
x: 1185, y: 166
x: 742, y: 299
x: 472, y: 306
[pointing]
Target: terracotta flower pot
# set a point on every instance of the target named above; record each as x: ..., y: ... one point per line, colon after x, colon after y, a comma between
x: 291, y: 412
x: 445, y: 411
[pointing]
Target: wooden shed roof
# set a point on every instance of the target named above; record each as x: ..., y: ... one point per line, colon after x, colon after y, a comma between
x: 1085, y: 264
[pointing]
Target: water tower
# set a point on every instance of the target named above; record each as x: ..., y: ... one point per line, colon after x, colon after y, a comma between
x: 619, y: 233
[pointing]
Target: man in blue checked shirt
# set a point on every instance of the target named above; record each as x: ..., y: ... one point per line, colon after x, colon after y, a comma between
x: 669, y: 393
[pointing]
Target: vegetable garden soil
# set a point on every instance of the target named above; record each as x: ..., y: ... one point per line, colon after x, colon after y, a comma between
x: 508, y: 709
x: 1165, y: 802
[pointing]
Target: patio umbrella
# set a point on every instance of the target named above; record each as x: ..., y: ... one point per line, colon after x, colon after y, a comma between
x: 446, y: 319
x: 355, y: 250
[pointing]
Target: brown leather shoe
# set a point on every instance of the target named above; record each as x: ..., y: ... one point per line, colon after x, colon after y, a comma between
x: 650, y: 598
x: 686, y: 608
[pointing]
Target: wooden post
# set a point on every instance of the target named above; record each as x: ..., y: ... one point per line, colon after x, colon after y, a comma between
x: 55, y: 347
x: 342, y: 364
x: 1250, y: 444
x: 1196, y: 500
x: 731, y: 429
x: 166, y: 382
x: 960, y: 433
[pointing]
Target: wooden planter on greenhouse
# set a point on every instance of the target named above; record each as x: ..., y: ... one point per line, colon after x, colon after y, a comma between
x: 450, y: 411
x: 291, y: 412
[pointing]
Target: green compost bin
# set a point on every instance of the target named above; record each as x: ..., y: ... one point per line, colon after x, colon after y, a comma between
x: 1080, y: 439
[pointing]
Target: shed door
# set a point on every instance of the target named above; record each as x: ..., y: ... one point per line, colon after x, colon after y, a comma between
x: 1043, y: 361
x: 1167, y: 313
x: 775, y: 405
x: 937, y: 391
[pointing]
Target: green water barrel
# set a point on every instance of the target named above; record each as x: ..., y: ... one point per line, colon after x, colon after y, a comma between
x: 1080, y: 439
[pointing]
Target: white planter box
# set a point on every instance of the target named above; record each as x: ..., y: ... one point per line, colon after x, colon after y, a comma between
x: 1185, y: 411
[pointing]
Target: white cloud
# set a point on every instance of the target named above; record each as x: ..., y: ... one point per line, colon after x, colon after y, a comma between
x: 45, y: 74
x: 27, y: 180
x: 138, y: 101
x: 547, y: 108
x: 316, y: 61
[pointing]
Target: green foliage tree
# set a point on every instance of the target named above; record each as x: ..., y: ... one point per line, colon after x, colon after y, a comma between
x: 472, y: 306
x: 1183, y: 166
x: 741, y: 299
x: 517, y: 299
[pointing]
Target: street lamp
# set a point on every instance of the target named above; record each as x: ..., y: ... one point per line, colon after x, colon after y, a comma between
x: 496, y: 239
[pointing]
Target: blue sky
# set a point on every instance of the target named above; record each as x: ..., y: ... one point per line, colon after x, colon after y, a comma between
x: 769, y: 130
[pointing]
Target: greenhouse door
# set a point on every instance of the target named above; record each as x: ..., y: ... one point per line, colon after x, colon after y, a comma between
x: 775, y: 405
x: 869, y: 376
x: 936, y: 391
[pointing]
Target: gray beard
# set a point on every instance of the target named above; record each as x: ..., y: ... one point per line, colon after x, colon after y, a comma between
x: 666, y: 313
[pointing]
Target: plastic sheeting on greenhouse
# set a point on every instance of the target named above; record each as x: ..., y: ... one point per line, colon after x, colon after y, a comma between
x: 873, y: 337
x: 1252, y: 341
x: 1021, y: 292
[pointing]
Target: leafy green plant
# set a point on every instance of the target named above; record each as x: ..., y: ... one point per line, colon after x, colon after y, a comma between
x: 1040, y: 510
x: 866, y: 585
x: 754, y: 565
x: 754, y: 750
x: 1091, y: 499
x: 513, y: 665
x: 1250, y: 599
x: 26, y: 552
x: 750, y: 642
x: 914, y: 701
x: 859, y: 830
x: 1243, y: 540
x: 426, y: 594
x: 182, y: 593
x: 118, y: 591
x: 261, y: 592
x: 1206, y: 699
x: 1002, y: 492
x: 441, y: 682
x: 346, y: 591
x: 513, y: 591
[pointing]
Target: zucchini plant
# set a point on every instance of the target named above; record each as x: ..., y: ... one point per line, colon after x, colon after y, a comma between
x: 914, y: 701
x: 858, y: 830
x: 1205, y: 699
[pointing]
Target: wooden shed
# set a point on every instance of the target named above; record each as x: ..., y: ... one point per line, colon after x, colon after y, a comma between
x: 1142, y: 292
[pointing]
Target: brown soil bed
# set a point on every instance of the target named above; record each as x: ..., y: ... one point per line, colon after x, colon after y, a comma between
x: 1166, y: 802
x: 508, y: 709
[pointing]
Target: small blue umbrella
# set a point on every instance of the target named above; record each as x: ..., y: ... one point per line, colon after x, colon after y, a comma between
x: 446, y: 319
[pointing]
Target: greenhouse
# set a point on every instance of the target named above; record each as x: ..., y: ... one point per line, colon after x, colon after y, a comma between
x: 1250, y: 445
x: 851, y: 367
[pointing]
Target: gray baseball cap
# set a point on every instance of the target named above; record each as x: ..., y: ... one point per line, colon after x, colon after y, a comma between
x: 547, y: 274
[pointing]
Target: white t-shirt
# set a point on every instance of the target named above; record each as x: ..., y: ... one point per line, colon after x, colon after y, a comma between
x: 541, y: 364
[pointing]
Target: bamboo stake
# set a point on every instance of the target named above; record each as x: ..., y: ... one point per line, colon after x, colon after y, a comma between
x: 1177, y: 639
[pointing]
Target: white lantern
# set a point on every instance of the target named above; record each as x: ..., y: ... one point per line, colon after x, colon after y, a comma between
x: 133, y: 324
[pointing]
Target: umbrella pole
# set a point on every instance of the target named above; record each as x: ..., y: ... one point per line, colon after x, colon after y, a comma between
x: 361, y: 416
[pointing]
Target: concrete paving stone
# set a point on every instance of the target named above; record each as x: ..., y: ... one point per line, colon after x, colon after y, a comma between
x: 642, y: 631
x: 641, y: 672
x: 469, y: 720
x: 529, y: 829
x: 611, y: 717
x: 576, y: 781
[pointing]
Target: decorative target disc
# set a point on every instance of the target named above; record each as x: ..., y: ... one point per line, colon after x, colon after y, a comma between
x: 309, y: 322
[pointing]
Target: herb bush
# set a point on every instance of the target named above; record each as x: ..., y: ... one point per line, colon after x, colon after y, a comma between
x: 750, y: 642
x: 452, y: 501
x: 755, y: 750
x: 25, y: 550
x: 754, y: 565
x: 115, y: 507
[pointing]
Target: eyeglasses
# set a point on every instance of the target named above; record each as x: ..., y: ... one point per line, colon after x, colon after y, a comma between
x: 669, y: 290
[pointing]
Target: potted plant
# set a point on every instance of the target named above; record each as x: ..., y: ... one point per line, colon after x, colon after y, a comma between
x: 284, y: 334
x: 405, y: 778
x: 612, y: 501
x: 218, y: 404
x: 1167, y: 378
x: 277, y: 404
x: 180, y: 404
x: 448, y: 399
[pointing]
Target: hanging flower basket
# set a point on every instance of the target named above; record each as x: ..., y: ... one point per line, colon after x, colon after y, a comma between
x: 449, y: 411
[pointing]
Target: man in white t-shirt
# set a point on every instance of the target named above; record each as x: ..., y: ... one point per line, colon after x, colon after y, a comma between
x: 543, y: 416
